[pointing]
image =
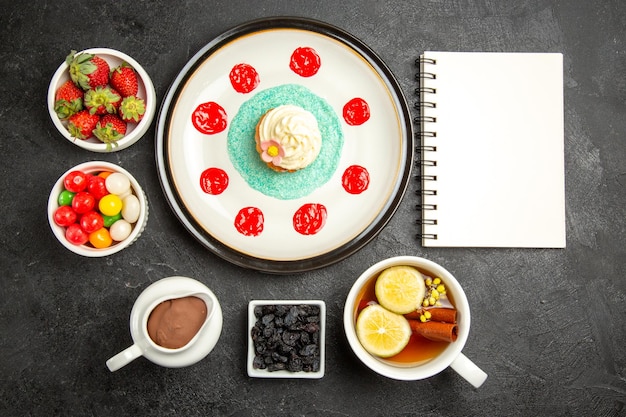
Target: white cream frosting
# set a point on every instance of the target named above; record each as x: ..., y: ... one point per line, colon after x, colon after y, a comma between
x: 296, y: 130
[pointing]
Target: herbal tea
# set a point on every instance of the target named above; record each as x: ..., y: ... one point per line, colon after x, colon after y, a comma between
x: 431, y: 326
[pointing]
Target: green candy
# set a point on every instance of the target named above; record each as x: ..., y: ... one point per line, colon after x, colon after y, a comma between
x: 109, y: 220
x: 65, y: 198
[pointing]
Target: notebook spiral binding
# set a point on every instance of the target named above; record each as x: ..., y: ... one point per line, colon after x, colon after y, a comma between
x: 426, y: 181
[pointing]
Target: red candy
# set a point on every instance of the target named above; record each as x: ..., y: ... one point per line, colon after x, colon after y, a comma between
x: 83, y: 202
x: 97, y: 187
x: 76, y: 181
x: 64, y: 216
x: 75, y: 235
x: 91, y: 221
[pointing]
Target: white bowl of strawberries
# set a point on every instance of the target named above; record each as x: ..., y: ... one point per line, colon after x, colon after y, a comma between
x: 101, y: 100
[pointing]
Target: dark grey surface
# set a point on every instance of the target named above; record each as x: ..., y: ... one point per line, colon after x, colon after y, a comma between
x: 547, y: 325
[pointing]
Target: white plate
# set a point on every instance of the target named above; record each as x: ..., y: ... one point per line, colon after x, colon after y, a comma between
x: 383, y: 145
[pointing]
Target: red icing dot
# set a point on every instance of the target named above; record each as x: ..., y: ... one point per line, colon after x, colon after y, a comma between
x: 309, y: 219
x: 209, y: 118
x: 305, y: 61
x: 244, y: 78
x: 356, y: 112
x: 355, y: 179
x: 213, y: 181
x: 249, y: 221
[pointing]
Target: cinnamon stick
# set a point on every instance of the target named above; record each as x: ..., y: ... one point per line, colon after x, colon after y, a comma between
x: 435, y: 330
x: 446, y: 315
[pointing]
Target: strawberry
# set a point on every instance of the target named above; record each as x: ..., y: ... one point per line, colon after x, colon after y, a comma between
x: 124, y: 80
x: 82, y: 124
x: 88, y: 70
x: 110, y: 129
x: 68, y: 100
x: 132, y: 109
x: 102, y: 100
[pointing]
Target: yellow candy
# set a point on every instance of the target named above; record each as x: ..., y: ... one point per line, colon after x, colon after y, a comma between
x: 110, y: 205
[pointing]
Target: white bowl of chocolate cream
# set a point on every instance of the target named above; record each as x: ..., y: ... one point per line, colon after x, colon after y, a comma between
x: 175, y: 322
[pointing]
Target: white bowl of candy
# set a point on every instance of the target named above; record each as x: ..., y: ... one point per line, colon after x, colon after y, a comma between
x: 97, y: 209
x: 101, y: 100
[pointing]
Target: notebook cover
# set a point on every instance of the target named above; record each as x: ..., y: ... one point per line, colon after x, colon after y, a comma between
x: 498, y: 153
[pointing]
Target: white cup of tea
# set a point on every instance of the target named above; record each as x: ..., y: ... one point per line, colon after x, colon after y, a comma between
x: 200, y: 345
x: 449, y: 355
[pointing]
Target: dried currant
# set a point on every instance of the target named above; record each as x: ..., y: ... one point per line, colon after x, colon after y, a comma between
x: 286, y: 337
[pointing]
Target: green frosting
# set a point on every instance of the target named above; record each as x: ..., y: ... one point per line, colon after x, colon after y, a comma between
x: 245, y: 158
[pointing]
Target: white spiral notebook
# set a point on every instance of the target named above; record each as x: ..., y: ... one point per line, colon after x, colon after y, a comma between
x: 492, y: 149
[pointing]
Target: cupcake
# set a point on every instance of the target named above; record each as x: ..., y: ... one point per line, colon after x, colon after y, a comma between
x: 288, y: 138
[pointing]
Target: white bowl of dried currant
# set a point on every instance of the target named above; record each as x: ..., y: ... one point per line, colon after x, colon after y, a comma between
x: 286, y: 338
x: 101, y: 99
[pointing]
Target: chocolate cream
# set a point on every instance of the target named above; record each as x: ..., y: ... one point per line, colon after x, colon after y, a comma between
x: 173, y: 323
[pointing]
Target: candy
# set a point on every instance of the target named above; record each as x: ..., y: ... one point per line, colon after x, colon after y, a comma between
x: 118, y: 183
x: 120, y: 230
x: 96, y: 209
x: 65, y: 198
x: 110, y: 205
x: 83, y: 202
x: 100, y: 239
x: 64, y: 216
x: 97, y: 187
x: 75, y: 235
x: 130, y: 210
x: 109, y: 220
x: 75, y: 181
x: 91, y: 221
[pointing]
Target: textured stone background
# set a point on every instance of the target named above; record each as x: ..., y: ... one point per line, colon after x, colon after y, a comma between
x: 547, y: 325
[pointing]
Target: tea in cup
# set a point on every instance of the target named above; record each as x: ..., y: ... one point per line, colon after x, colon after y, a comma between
x: 426, y: 309
x: 175, y: 322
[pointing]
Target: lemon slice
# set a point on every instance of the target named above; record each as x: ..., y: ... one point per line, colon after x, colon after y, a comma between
x: 400, y: 289
x: 381, y: 332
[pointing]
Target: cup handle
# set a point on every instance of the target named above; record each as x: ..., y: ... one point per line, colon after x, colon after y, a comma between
x: 468, y: 370
x: 124, y: 357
